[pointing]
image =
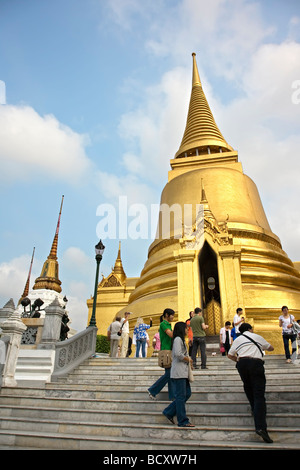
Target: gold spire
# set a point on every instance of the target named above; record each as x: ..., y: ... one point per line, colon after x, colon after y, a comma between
x: 49, y: 275
x: 26, y: 288
x: 206, y: 208
x: 118, y: 268
x: 201, y: 135
x: 53, y: 251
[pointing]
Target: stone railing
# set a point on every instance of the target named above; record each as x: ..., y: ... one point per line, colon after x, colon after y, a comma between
x: 68, y: 354
x: 71, y: 352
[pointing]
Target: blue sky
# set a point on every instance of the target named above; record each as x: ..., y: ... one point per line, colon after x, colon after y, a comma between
x: 94, y: 97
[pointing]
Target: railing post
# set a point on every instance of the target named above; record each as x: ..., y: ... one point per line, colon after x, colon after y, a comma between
x: 52, y: 325
x: 14, y: 328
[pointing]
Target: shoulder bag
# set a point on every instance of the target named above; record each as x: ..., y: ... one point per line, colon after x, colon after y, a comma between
x: 165, y: 358
x: 191, y: 375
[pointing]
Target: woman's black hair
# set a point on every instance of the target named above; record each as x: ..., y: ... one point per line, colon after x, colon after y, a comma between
x: 179, y: 330
x: 166, y: 313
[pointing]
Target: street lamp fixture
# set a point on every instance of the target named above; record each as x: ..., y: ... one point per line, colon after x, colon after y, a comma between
x: 99, y: 249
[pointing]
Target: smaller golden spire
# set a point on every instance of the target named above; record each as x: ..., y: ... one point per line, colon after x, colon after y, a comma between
x: 206, y: 208
x: 26, y: 288
x: 53, y: 251
x: 49, y: 275
x: 118, y: 268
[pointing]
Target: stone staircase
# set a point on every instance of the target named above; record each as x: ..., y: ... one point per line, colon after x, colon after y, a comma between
x: 104, y: 405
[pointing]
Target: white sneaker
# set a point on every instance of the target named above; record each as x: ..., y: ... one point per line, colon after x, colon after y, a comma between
x: 151, y: 396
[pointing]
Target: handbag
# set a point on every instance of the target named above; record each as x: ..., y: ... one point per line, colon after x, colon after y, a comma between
x: 295, y: 328
x: 190, y: 374
x: 222, y: 349
x: 165, y: 358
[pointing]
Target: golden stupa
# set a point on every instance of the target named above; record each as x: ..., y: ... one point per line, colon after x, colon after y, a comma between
x: 49, y: 278
x: 218, y: 252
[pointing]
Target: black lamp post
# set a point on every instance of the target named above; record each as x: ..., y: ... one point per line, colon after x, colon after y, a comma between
x: 99, y: 249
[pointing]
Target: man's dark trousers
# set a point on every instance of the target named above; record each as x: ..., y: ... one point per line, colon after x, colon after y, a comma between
x: 199, y: 341
x: 252, y: 373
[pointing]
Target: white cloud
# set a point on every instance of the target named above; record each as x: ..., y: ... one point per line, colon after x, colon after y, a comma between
x: 74, y: 259
x: 130, y: 185
x: 2, y: 92
x: 32, y: 145
x: 124, y: 13
x: 226, y: 33
x: 156, y: 127
x: 78, y: 293
x: 13, y: 277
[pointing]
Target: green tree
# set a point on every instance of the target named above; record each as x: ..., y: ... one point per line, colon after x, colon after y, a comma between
x: 102, y: 344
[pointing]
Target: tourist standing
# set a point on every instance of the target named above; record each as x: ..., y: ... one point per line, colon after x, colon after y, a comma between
x: 114, y: 337
x: 156, y: 344
x: 238, y: 320
x: 247, y: 352
x: 190, y: 332
x: 141, y: 336
x: 166, y: 335
x: 125, y: 334
x: 198, y: 327
x: 225, y: 338
x: 179, y: 377
x: 286, y: 323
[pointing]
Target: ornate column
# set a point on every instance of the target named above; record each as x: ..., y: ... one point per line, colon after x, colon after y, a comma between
x: 187, y: 282
x: 52, y: 325
x: 230, y: 280
x: 13, y: 327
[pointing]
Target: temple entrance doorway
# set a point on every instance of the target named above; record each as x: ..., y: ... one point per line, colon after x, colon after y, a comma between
x: 210, y: 291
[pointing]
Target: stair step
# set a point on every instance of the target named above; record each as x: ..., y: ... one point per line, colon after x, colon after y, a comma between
x: 204, y: 418
x: 53, y: 441
x: 145, y: 430
x: 92, y: 392
x: 242, y: 406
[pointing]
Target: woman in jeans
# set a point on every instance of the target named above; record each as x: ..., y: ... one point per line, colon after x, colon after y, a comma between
x: 141, y: 336
x: 179, y: 377
x: 286, y: 323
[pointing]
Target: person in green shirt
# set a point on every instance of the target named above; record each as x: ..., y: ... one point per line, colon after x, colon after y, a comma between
x: 198, y: 327
x: 166, y: 335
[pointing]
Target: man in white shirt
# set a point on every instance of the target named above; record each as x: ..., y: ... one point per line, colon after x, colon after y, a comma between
x: 238, y: 320
x: 112, y: 334
x: 247, y: 352
x: 125, y: 334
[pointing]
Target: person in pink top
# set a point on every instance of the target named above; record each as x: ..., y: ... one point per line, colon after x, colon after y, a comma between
x: 156, y: 344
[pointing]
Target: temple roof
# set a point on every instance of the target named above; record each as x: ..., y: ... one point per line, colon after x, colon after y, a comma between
x: 201, y: 135
x: 117, y: 277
